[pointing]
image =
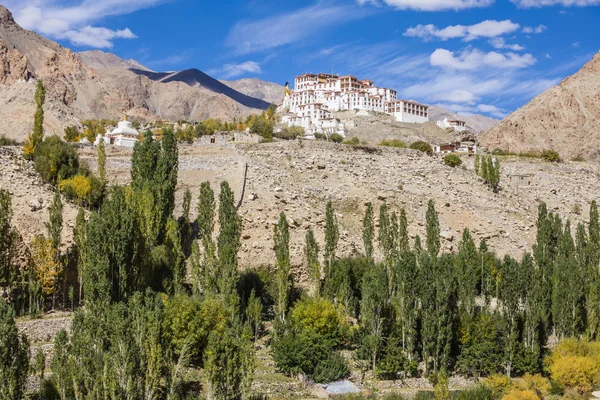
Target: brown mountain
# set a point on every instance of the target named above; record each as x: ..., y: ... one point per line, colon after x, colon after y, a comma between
x: 268, y: 91
x: 97, y: 59
x: 76, y: 91
x: 565, y: 118
x: 476, y: 123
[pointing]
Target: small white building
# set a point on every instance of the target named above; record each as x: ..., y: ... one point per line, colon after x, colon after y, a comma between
x: 123, y: 135
x: 408, y: 111
x: 458, y: 125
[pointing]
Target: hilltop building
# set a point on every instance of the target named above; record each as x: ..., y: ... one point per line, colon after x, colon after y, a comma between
x: 459, y: 126
x: 316, y: 96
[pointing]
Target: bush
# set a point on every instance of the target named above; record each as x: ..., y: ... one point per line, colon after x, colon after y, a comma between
x: 262, y: 128
x: 71, y: 134
x: 499, y: 384
x: 331, y: 369
x: 479, y: 392
x: 452, y: 160
x: 579, y: 373
x: 422, y: 146
x: 336, y: 138
x: 55, y: 160
x: 319, y: 316
x: 300, y: 352
x: 84, y: 190
x: 550, y: 156
x: 516, y: 394
x: 4, y: 141
x: 320, y: 136
x: 393, y: 143
x: 291, y: 133
x: 353, y: 141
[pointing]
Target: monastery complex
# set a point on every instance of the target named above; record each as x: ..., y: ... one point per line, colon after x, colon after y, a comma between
x: 316, y: 96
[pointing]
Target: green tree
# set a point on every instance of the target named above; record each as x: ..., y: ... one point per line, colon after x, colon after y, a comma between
x: 229, y: 365
x: 228, y: 245
x: 102, y: 162
x: 593, y: 273
x: 34, y: 139
x: 509, y: 295
x: 332, y: 235
x: 185, y: 224
x: 368, y: 231
x: 281, y: 237
x: 54, y: 226
x: 39, y: 363
x: 71, y: 133
x: 467, y: 273
x: 254, y: 313
x: 311, y: 253
x: 7, y: 239
x: 14, y: 356
x: 403, y: 242
x: 60, y: 365
x: 80, y: 239
x: 206, y: 211
x: 432, y: 230
x: 373, y: 308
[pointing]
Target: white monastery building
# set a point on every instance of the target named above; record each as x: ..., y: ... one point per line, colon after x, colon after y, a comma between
x: 458, y: 125
x: 123, y: 135
x: 316, y: 96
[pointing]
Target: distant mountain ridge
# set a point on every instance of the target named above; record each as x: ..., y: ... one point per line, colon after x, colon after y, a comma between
x: 565, y: 118
x: 268, y: 91
x: 98, y: 85
x: 475, y: 122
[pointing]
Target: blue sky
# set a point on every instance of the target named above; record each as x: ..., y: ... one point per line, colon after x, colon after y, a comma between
x: 471, y: 56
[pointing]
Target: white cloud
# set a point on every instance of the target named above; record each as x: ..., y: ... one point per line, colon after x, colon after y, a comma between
x: 473, y: 59
x: 271, y: 32
x: 491, y: 110
x: 548, y: 56
x: 73, y: 20
x: 537, y: 29
x: 233, y: 70
x: 486, y: 29
x: 576, y: 44
x: 564, y: 3
x: 500, y: 43
x: 432, y: 5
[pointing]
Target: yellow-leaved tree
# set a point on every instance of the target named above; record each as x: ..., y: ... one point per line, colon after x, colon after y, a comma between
x: 45, y: 264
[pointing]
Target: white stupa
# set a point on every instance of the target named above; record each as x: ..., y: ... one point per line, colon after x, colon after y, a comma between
x: 124, y: 134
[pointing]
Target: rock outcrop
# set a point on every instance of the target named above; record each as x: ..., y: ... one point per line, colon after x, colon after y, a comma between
x: 565, y: 118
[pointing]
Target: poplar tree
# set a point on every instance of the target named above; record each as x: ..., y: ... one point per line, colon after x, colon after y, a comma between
x: 384, y: 231
x: 281, y: 237
x: 228, y: 245
x: 510, y: 291
x: 311, y: 254
x: 36, y: 137
x: 593, y: 273
x: 432, y: 230
x: 14, y: 356
x: 54, y: 226
x: 403, y: 240
x: 332, y: 236
x: 467, y: 273
x: 7, y: 238
x: 373, y: 308
x: 206, y: 212
x: 102, y: 162
x: 185, y: 225
x: 80, y: 239
x: 369, y: 231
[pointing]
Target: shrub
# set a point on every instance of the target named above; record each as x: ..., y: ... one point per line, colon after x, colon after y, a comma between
x: 262, y: 128
x: 331, y: 369
x: 300, y: 352
x: 78, y: 187
x: 319, y: 316
x: 452, y: 160
x: 353, y: 141
x: 540, y: 385
x: 336, y: 138
x: 499, y: 384
x: 578, y: 159
x: 479, y: 392
x: 55, y: 160
x: 422, y: 146
x: 516, y: 394
x: 4, y: 141
x: 71, y: 134
x: 393, y: 143
x: 574, y: 372
x: 293, y: 132
x: 320, y: 136
x: 551, y: 156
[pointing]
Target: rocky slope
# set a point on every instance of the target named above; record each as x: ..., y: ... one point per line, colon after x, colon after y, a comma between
x: 565, y: 118
x: 268, y: 91
x: 476, y: 123
x: 76, y: 91
x: 97, y: 59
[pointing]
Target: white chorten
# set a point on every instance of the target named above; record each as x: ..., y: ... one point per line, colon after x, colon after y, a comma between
x: 124, y: 134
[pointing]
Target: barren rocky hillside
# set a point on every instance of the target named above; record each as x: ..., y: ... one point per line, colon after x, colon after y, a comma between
x: 300, y: 178
x: 76, y: 91
x: 565, y: 118
x: 267, y: 91
x: 97, y: 59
